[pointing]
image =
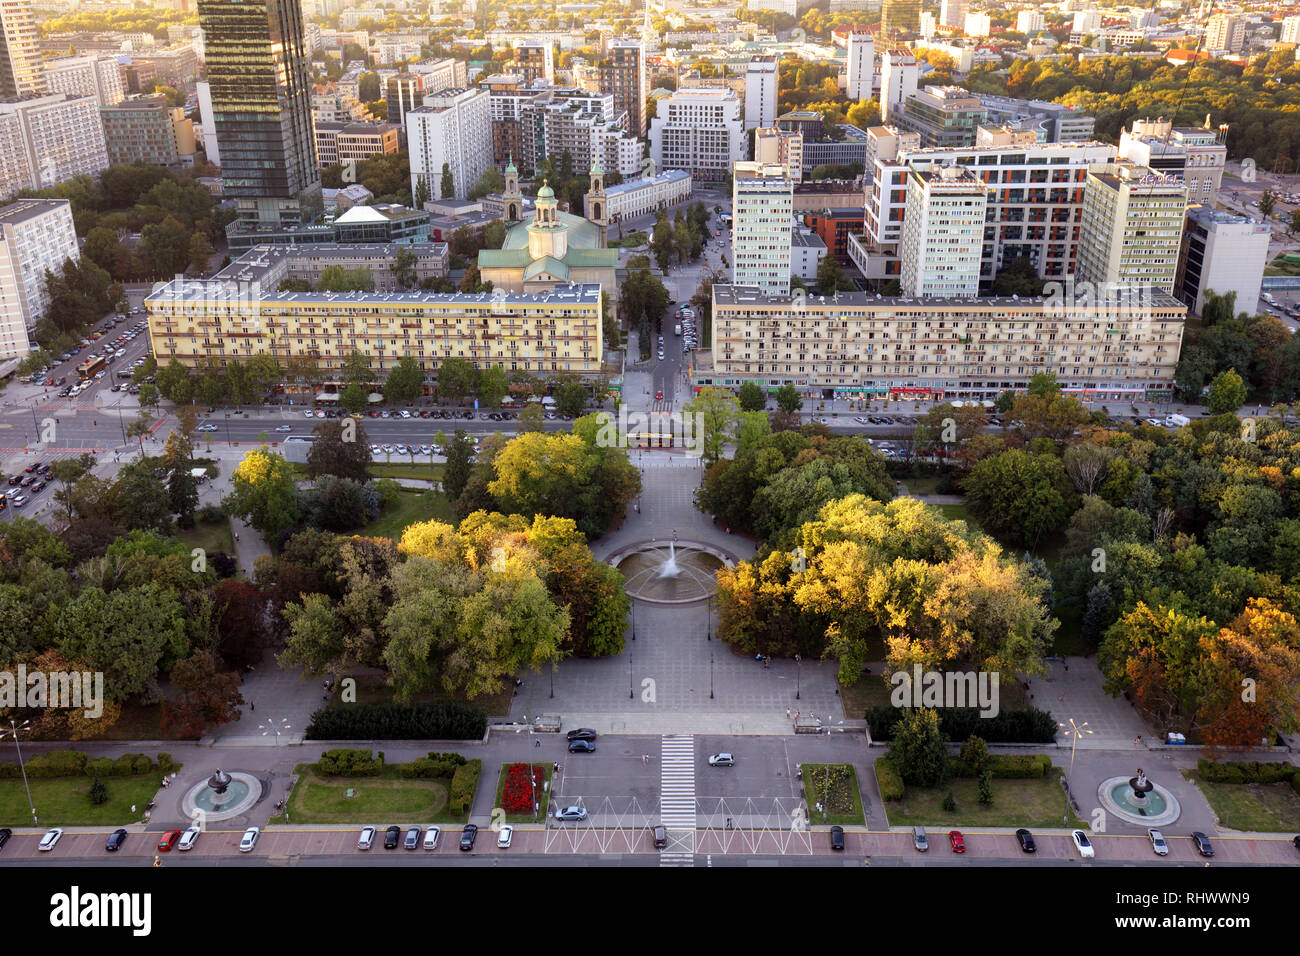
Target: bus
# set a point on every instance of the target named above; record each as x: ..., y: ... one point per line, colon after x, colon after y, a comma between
x: 87, y: 369
x: 650, y: 439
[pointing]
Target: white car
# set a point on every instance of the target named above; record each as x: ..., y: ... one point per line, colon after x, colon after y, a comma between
x: 504, y: 836
x: 309, y: 414
x: 405, y: 413
x: 367, y: 838
x: 431, y: 838
x: 209, y: 427
x: 722, y: 760
x: 120, y: 352
x: 51, y: 837
x: 320, y: 413
x: 571, y: 813
x: 284, y: 428
x: 1082, y: 844
x: 1158, y: 843
x: 376, y: 451
x: 249, y: 839
x: 189, y: 838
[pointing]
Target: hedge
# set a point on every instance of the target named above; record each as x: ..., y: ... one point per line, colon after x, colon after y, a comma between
x: 434, y: 765
x: 1252, y: 771
x: 349, y: 763
x: 1030, y: 726
x: 77, y: 763
x: 463, y: 784
x: 441, y: 720
x: 889, y: 780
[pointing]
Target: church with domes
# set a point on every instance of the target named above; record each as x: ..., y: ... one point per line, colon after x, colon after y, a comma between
x: 554, y: 248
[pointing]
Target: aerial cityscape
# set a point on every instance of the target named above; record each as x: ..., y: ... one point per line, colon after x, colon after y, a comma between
x: 649, y: 433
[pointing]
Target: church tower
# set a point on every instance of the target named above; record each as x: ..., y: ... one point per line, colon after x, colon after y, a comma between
x: 514, y: 200
x: 597, y: 203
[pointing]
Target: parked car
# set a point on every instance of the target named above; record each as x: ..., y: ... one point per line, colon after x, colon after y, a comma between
x: 660, y: 835
x: 837, y: 838
x: 431, y: 835
x: 919, y: 840
x: 189, y: 838
x: 468, y: 836
x: 391, y: 836
x: 168, y: 840
x: 956, y: 841
x: 1082, y: 844
x: 249, y: 839
x: 581, y: 747
x: 5, y: 834
x: 115, y: 840
x: 412, y: 841
x: 722, y: 760
x: 1026, y: 840
x: 504, y: 836
x: 1202, y: 842
x: 570, y: 814
x: 367, y: 838
x: 582, y: 733
x: 1158, y: 843
x: 50, y: 839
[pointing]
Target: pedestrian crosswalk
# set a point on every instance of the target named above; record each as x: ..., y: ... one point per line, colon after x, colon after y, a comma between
x: 677, y: 799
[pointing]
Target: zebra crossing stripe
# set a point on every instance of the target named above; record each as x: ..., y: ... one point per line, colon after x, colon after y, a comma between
x: 677, y: 799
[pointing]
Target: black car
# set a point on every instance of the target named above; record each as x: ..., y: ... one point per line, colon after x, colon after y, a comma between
x: 1026, y: 840
x: 837, y: 838
x: 582, y: 733
x: 1202, y: 842
x: 581, y: 747
x: 468, y: 836
x: 1295, y: 841
x: 115, y: 840
x: 391, y: 837
x: 6, y: 833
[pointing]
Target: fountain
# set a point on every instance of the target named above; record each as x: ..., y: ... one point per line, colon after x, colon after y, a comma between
x: 1141, y: 787
x: 1138, y: 800
x: 669, y: 568
x: 222, y: 796
x: 659, y: 573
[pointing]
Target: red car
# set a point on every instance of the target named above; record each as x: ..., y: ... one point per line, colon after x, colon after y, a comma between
x: 956, y: 841
x: 659, y: 393
x: 169, y: 840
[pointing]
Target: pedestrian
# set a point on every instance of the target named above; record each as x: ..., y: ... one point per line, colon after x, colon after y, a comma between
x: 787, y: 713
x: 796, y: 715
x: 236, y: 535
x: 537, y: 743
x: 252, y: 706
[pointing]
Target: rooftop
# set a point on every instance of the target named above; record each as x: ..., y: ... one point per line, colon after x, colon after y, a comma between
x: 197, y: 290
x: 25, y: 209
x: 750, y: 295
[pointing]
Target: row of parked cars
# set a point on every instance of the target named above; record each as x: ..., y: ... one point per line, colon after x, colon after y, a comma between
x: 427, y: 837
x: 1079, y: 838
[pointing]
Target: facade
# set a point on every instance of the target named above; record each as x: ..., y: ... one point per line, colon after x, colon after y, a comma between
x: 148, y: 130
x: 35, y: 235
x: 623, y: 73
x: 898, y: 17
x: 382, y: 225
x: 341, y: 142
x: 1029, y: 21
x: 836, y: 152
x: 899, y: 75
x: 862, y: 66
x: 856, y: 344
x: 452, y: 127
x: 1132, y: 228
x: 507, y: 103
x: 1221, y: 253
x: 835, y: 225
x: 174, y: 66
x: 775, y: 146
x: 700, y: 131
x: 1291, y: 29
x: 48, y: 140
x: 1085, y: 22
x: 207, y: 124
x: 760, y: 92
x: 440, y: 74
x: 331, y: 103
x: 978, y: 25
x: 641, y: 197
x: 257, y: 66
x: 942, y: 233
x: 96, y: 76
x: 806, y: 253
x: 762, y: 208
x: 20, y: 51
x: 944, y: 116
x: 1195, y: 154
x: 534, y: 61
x: 1225, y: 32
x: 402, y: 93
x: 952, y: 13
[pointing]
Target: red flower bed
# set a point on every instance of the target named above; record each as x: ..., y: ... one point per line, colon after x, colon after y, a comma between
x: 517, y: 794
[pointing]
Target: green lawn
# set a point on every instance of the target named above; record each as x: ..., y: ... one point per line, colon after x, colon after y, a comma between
x: 378, y: 800
x: 212, y: 537
x: 543, y: 795
x: 1283, y: 266
x: 630, y: 241
x: 1259, y: 807
x: 412, y: 506
x: 405, y: 468
x: 845, y: 804
x: 65, y: 801
x: 960, y: 513
x: 1016, y: 803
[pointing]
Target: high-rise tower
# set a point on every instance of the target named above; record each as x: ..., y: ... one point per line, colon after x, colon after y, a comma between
x: 21, y: 74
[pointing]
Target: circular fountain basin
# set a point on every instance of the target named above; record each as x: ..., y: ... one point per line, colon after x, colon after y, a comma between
x: 1159, y: 807
x: 671, y: 572
x: 244, y: 791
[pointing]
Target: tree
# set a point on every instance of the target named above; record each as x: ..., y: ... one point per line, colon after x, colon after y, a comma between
x: 1227, y: 393
x: 830, y: 276
x: 316, y: 635
x: 338, y: 279
x: 341, y: 449
x: 175, y: 384
x: 917, y: 750
x: 571, y: 399
x: 1020, y: 496
x: 974, y: 756
x: 532, y: 419
x: 405, y: 381
x: 493, y: 385
x: 714, y: 410
x: 457, y: 378
x: 459, y: 464
x: 494, y: 234
x: 357, y: 368
x: 368, y: 87
x: 447, y: 185
x: 209, y: 695
x: 404, y: 268
x: 1018, y: 277
x: 985, y: 789
x: 354, y: 397
x: 788, y: 398
x: 662, y: 245
x: 751, y: 398
x: 200, y: 252
x: 1218, y: 308
x: 489, y: 182
x: 178, y: 460
x: 422, y: 194
x: 264, y: 493
x: 1266, y: 203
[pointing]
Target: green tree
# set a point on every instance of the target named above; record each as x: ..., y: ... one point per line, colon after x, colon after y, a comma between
x: 316, y: 635
x: 460, y: 454
x: 918, y: 750
x: 985, y: 789
x: 788, y: 398
x: 1020, y: 496
x: 447, y: 185
x: 354, y: 397
x: 200, y: 253
x: 489, y: 182
x: 338, y: 279
x: 714, y: 411
x: 405, y: 381
x: 404, y: 268
x: 1267, y: 202
x: 1227, y: 393
x: 264, y: 493
x: 457, y: 378
x: 341, y: 449
x: 751, y: 397
x: 493, y: 384
x: 831, y: 278
x: 175, y: 383
x: 662, y: 244
x: 532, y: 419
x: 571, y: 399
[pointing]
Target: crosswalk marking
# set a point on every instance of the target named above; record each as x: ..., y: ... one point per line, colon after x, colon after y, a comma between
x: 677, y: 799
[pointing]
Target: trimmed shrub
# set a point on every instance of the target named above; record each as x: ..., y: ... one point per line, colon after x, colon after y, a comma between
x: 463, y: 784
x: 1019, y: 766
x: 349, y: 763
x: 434, y: 765
x: 959, y: 724
x: 57, y: 763
x: 101, y: 767
x: 889, y: 780
x: 165, y: 762
x: 1253, y: 771
x: 441, y: 720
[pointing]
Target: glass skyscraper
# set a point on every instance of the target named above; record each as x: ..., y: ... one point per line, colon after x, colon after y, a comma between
x: 257, y: 70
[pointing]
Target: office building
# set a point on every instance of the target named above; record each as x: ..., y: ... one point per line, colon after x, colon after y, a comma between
x: 641, y: 197
x: 1029, y: 21
x: 952, y: 14
x: 48, y: 140
x: 849, y: 150
x: 943, y: 230
x: 440, y: 74
x: 760, y: 92
x: 944, y: 116
x: 402, y: 93
x: 1225, y: 32
x: 899, y: 17
x: 535, y: 60
x: 856, y: 344
x: 147, y: 130
x: 97, y: 76
x: 698, y: 130
x: 35, y: 235
x: 899, y: 75
x: 206, y: 132
x: 331, y: 103
x: 1221, y: 253
x: 780, y: 147
x: 1291, y: 30
x: 452, y: 127
x: 1132, y: 228
x: 861, y: 66
x: 259, y: 84
x: 978, y: 25
x: 355, y: 142
x: 623, y: 73
x: 582, y: 124
x: 1085, y: 22
x: 1195, y: 154
x: 21, y: 74
x: 762, y: 208
x: 929, y: 25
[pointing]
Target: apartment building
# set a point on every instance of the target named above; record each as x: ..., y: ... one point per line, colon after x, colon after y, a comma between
x: 1029, y: 21
x: 508, y: 100
x: 535, y: 61
x: 641, y: 197
x: 1225, y: 32
x: 20, y: 51
x: 857, y: 344
x: 97, y: 76
x: 899, y: 75
x: 174, y: 66
x: 861, y: 65
x: 762, y: 209
x: 1194, y: 154
x: 342, y: 142
x: 760, y: 92
x: 952, y: 14
x: 978, y: 25
x: 452, y: 127
x: 583, y: 124
x: 944, y: 116
x: 942, y: 233
x: 402, y: 93
x: 622, y: 73
x: 1132, y: 227
x: 1291, y: 29
x: 48, y: 140
x: 442, y: 73
x: 780, y: 147
x: 1221, y: 253
x: 35, y: 235
x: 330, y: 103
x: 698, y: 130
x: 148, y: 130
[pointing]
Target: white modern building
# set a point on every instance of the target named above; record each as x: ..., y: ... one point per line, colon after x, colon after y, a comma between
x: 942, y: 233
x: 20, y: 51
x: 780, y: 147
x: 642, y: 197
x: 899, y: 75
x: 1132, y: 227
x: 806, y: 253
x: 35, y: 235
x: 97, y: 76
x: 1291, y: 29
x: 978, y: 25
x: 952, y: 13
x: 453, y: 127
x: 207, y: 128
x: 698, y: 130
x: 1221, y: 253
x: 48, y: 140
x: 1085, y: 22
x: 762, y: 209
x: 1196, y: 154
x: 1029, y: 21
x: 760, y: 92
x: 861, y: 66
x: 1225, y: 32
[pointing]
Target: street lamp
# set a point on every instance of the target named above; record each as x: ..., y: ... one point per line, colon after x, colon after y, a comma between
x: 271, y: 727
x: 1076, y: 731
x: 228, y: 428
x: 709, y: 605
x: 710, y: 675
x: 798, y: 676
x: 634, y: 619
x: 15, y: 729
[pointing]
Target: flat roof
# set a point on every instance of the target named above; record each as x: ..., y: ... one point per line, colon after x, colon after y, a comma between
x: 750, y: 295
x: 25, y: 209
x: 199, y: 290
